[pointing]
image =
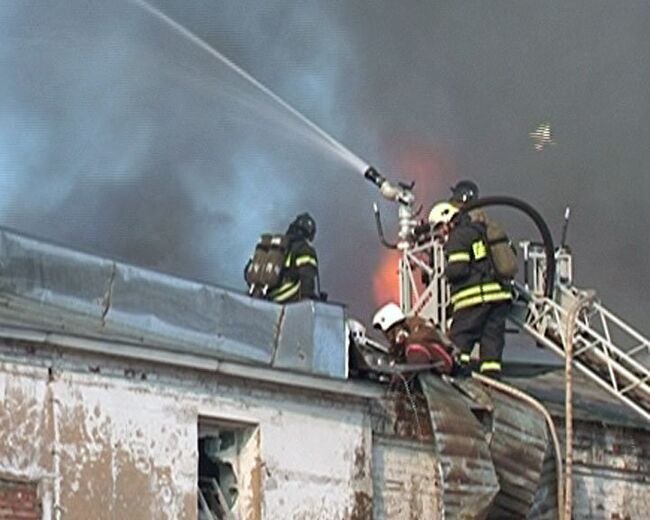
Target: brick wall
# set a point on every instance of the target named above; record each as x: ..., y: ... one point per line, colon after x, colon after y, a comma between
x: 18, y: 501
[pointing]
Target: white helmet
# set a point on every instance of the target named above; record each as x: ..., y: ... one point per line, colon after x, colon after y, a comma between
x: 389, y: 315
x: 442, y: 213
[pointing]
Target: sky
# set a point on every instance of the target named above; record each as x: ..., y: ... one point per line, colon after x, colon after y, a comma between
x: 124, y: 136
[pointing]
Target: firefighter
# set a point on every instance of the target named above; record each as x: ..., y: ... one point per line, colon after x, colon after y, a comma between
x: 300, y: 274
x: 463, y: 192
x: 413, y: 340
x: 480, y: 303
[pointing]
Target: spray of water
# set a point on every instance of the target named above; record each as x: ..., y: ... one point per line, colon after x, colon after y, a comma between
x: 326, y: 141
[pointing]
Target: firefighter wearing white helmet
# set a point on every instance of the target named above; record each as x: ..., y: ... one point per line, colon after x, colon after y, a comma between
x: 413, y: 340
x: 387, y: 317
x: 480, y: 301
x: 440, y: 218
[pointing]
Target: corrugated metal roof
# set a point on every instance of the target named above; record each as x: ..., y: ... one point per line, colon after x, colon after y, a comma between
x: 519, y: 443
x: 492, y: 448
x: 544, y: 505
x: 591, y: 403
x: 468, y: 478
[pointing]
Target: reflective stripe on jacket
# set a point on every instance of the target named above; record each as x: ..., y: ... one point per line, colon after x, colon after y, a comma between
x: 469, y: 271
x: 300, y: 273
x: 286, y: 291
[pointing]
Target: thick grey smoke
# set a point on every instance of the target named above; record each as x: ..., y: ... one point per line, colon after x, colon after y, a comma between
x: 123, y: 137
x: 120, y: 136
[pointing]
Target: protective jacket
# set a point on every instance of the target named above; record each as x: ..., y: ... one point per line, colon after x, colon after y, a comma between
x: 469, y: 270
x: 425, y: 345
x: 422, y: 330
x: 299, y: 279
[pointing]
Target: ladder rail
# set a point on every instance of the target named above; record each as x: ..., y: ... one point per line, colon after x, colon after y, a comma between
x: 625, y: 327
x: 415, y: 288
x: 533, y: 323
x: 541, y: 309
x: 608, y: 335
x: 606, y: 348
x: 599, y: 340
x: 595, y: 377
x: 608, y: 316
x: 607, y: 352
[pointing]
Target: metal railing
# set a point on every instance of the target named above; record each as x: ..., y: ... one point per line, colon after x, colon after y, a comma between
x: 605, y: 348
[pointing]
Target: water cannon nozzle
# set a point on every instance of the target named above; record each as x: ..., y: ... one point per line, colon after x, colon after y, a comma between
x: 397, y: 193
x: 374, y: 176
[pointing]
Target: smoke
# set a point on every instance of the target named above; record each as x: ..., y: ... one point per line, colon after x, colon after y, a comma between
x: 121, y: 137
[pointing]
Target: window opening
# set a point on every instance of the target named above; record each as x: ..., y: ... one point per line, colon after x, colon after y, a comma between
x: 227, y: 452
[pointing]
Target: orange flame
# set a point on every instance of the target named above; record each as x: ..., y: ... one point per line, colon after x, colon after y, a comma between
x: 385, y: 283
x: 431, y: 165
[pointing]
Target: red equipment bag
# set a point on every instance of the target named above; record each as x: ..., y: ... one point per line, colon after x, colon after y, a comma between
x: 429, y: 354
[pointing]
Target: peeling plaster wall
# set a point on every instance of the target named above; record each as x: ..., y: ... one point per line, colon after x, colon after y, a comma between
x: 127, y: 449
x: 25, y: 428
x: 403, y: 497
x: 315, y: 453
x: 124, y: 444
x: 121, y: 451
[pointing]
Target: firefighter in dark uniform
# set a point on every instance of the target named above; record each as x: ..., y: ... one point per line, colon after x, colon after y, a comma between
x: 480, y: 302
x: 463, y: 192
x: 300, y: 276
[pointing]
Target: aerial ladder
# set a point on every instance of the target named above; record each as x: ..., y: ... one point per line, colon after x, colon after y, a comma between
x: 605, y: 348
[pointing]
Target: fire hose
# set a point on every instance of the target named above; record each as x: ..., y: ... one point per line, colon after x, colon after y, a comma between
x: 547, y: 238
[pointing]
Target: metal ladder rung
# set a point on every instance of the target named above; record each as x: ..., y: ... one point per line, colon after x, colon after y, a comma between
x: 587, y: 347
x: 641, y: 409
x: 611, y: 348
x: 612, y: 355
x: 606, y: 356
x: 637, y: 405
x: 638, y: 348
x: 620, y: 370
x: 632, y: 386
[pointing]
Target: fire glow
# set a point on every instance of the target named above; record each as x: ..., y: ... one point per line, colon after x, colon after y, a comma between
x: 385, y: 282
x: 431, y: 166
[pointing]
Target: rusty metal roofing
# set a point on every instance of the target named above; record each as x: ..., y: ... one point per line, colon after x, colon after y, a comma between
x: 492, y: 448
x: 518, y: 446
x: 544, y: 505
x: 468, y: 478
x: 591, y: 403
x: 518, y: 440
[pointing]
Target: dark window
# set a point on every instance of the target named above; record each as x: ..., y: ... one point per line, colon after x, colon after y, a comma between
x: 227, y: 451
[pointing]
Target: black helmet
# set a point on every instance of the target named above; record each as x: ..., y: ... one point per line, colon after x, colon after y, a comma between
x: 305, y: 225
x: 464, y: 191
